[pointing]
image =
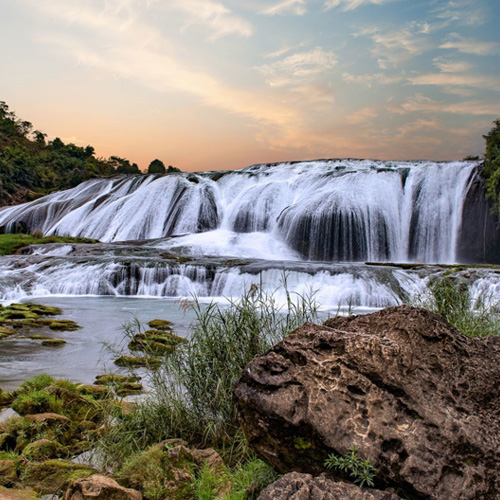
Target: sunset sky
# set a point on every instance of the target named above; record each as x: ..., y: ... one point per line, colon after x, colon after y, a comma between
x: 221, y: 84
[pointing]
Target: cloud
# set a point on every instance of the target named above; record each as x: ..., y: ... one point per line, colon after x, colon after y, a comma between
x: 362, y: 116
x: 462, y: 12
x: 469, y: 45
x: 302, y: 64
x: 346, y: 5
x: 296, y: 7
x: 420, y: 103
x: 394, y: 47
x: 212, y: 15
x: 371, y: 79
x: 446, y: 66
x: 457, y: 80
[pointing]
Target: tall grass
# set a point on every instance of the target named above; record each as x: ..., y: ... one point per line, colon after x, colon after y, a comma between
x: 452, y: 298
x: 192, y: 389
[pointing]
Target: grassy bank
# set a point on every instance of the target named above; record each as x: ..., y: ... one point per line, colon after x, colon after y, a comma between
x: 11, y: 243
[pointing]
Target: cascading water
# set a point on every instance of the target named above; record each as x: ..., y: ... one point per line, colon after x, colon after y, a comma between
x: 336, y: 211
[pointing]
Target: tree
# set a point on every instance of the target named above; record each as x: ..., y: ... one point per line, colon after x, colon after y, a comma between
x: 491, y: 171
x: 156, y: 167
x: 123, y: 166
x: 171, y: 169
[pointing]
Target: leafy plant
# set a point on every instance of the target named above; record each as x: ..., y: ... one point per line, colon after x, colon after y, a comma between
x: 362, y: 471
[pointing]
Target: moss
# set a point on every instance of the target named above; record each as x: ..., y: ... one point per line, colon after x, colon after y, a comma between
x: 300, y: 443
x: 6, y: 398
x: 5, y: 331
x: 64, y: 325
x: 43, y: 449
x: 131, y: 361
x: 54, y: 476
x: 37, y: 382
x: 96, y: 391
x: 39, y: 337
x: 8, y: 472
x: 53, y: 342
x: 114, y: 379
x: 38, y: 401
x: 10, y: 243
x: 161, y: 324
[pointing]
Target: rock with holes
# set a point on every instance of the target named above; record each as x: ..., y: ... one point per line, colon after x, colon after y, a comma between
x: 298, y: 486
x: 418, y: 398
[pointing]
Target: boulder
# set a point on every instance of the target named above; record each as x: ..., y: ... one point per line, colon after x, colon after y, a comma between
x: 420, y: 400
x: 299, y: 486
x: 99, y: 487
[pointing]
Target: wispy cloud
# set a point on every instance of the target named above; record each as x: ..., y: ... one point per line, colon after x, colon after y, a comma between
x: 420, y: 103
x: 391, y: 48
x: 469, y: 45
x: 447, y: 66
x: 346, y: 5
x: 297, y: 7
x: 462, y: 12
x: 212, y: 15
x: 372, y: 79
x: 457, y: 80
x: 301, y: 64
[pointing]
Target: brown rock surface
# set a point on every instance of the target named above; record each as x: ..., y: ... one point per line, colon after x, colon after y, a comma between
x: 99, y: 487
x: 298, y: 486
x: 8, y: 494
x: 417, y: 397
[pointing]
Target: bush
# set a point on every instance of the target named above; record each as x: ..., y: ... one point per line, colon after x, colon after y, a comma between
x: 452, y: 299
x: 491, y: 171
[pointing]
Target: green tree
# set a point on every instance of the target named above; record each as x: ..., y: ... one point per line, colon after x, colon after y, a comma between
x: 491, y: 171
x: 156, y: 167
x: 171, y: 169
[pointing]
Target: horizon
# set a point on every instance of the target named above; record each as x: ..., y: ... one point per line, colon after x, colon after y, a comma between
x: 223, y: 84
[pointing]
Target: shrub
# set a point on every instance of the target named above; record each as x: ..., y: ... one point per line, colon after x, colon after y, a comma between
x: 362, y: 471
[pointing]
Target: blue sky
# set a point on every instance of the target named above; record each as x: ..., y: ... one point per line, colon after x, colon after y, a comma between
x: 219, y: 84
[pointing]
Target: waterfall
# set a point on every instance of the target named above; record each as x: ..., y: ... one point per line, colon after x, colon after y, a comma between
x: 333, y: 211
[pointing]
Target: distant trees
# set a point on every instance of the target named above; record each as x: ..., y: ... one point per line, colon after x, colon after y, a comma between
x: 158, y: 167
x: 491, y: 171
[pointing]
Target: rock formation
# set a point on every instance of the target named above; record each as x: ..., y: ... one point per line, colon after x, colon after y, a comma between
x: 418, y: 398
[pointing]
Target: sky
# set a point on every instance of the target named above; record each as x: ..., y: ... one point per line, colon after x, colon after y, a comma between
x: 222, y: 84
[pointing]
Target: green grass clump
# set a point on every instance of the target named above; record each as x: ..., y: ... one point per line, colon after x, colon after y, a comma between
x: 451, y: 298
x: 10, y: 243
x: 37, y: 383
x: 361, y: 471
x: 38, y: 401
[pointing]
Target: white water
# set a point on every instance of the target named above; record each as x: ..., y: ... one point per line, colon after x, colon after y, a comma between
x: 342, y: 210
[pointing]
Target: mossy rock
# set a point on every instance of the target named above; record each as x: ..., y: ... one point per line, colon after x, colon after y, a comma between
x: 38, y: 401
x: 64, y: 325
x: 96, y: 391
x: 135, y: 362
x: 8, y: 473
x: 54, y: 342
x: 129, y: 389
x: 53, y: 477
x: 43, y: 449
x: 161, y: 324
x: 114, y: 379
x: 17, y: 314
x: 44, y: 310
x: 39, y: 337
x: 6, y: 398
x: 14, y: 494
x: 6, y: 331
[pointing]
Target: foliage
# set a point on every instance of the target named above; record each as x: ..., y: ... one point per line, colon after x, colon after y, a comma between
x: 30, y: 167
x: 10, y: 243
x: 452, y: 299
x: 491, y: 171
x: 156, y: 167
x: 192, y: 388
x: 362, y: 471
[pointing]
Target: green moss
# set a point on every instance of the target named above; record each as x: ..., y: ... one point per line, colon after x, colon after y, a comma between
x: 161, y: 324
x: 132, y: 362
x: 6, y: 332
x: 53, y: 342
x: 64, y: 325
x: 10, y: 243
x: 54, y: 476
x: 39, y: 337
x: 37, y: 382
x: 38, y: 401
x: 14, y: 494
x: 300, y: 443
x: 43, y: 449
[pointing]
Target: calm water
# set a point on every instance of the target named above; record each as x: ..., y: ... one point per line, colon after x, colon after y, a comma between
x: 84, y: 356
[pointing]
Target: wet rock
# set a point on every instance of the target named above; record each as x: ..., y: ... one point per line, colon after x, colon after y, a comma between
x: 53, y: 342
x: 418, y: 398
x: 298, y: 486
x: 97, y: 487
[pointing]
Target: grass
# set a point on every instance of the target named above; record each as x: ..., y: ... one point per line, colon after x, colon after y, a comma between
x: 10, y: 243
x: 452, y: 298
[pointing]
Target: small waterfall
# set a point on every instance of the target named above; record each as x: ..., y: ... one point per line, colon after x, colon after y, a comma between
x: 333, y: 211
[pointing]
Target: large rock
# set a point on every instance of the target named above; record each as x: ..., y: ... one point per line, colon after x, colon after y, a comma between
x: 99, y: 487
x: 418, y: 398
x: 298, y: 486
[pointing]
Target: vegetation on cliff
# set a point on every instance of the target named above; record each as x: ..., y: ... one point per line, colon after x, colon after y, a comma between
x: 11, y: 243
x: 31, y: 167
x: 491, y: 171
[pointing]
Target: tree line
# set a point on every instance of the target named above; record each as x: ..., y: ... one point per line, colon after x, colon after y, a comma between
x: 31, y: 166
